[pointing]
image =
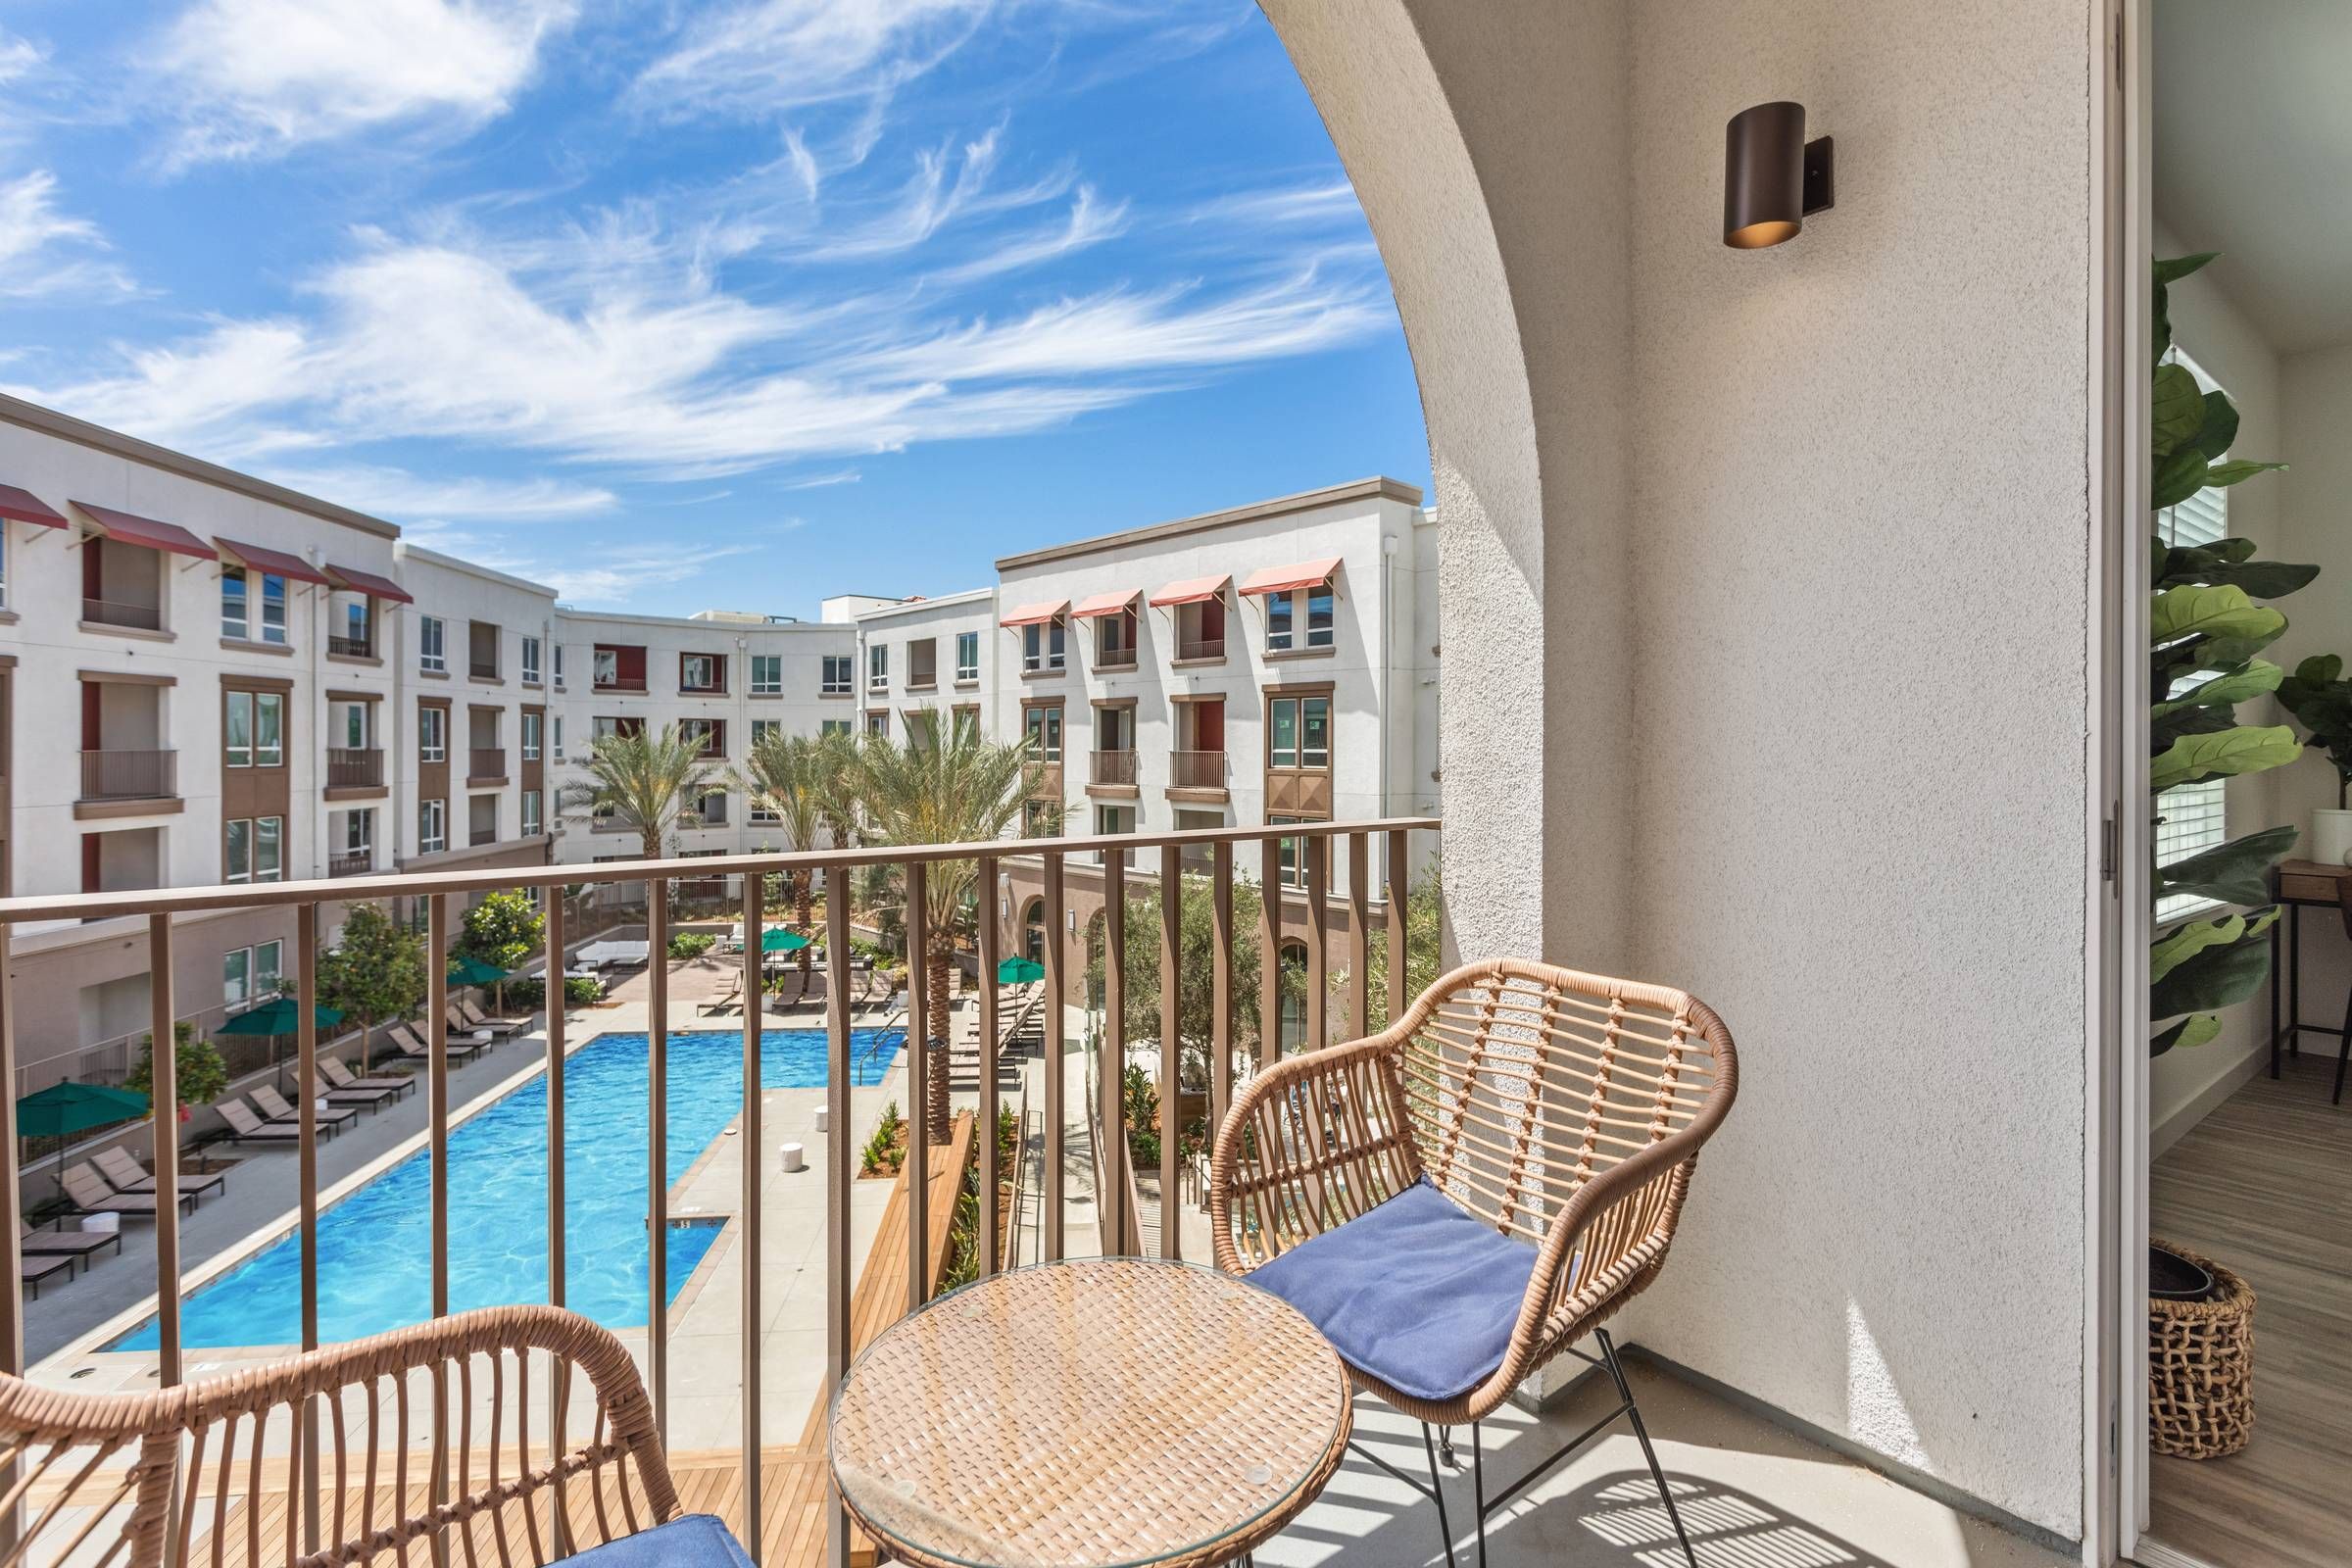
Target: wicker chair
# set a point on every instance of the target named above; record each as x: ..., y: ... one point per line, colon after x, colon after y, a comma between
x: 109, y: 1479
x: 1536, y: 1124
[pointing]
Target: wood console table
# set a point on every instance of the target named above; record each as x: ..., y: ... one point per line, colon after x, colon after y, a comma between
x: 2296, y: 884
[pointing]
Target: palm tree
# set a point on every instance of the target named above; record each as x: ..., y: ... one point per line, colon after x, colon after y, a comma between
x: 648, y: 781
x: 957, y: 790
x: 797, y: 779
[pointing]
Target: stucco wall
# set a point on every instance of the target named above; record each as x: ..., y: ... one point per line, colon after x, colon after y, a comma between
x: 1805, y: 555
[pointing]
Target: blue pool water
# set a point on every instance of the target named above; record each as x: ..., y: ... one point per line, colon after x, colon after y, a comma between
x: 374, y: 1246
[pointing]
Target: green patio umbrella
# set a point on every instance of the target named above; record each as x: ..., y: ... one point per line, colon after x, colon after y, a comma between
x: 779, y: 940
x: 464, y: 972
x: 65, y: 1108
x: 275, y: 1020
x: 1019, y: 971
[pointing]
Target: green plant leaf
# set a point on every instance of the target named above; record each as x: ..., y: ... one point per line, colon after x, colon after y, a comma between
x: 2253, y: 679
x: 2216, y: 974
x: 2222, y: 610
x: 2178, y: 476
x: 2193, y: 1031
x: 2221, y: 475
x: 2185, y: 942
x: 2245, y: 749
x: 2180, y: 266
x: 2177, y: 407
x: 2262, y: 579
x: 2186, y: 718
x: 2219, y: 427
x: 2320, y: 670
x: 2228, y: 873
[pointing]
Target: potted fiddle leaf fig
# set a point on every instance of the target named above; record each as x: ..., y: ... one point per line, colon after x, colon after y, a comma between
x: 2321, y: 701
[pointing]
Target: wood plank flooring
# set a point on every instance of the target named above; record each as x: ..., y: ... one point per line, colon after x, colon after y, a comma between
x: 2264, y: 1186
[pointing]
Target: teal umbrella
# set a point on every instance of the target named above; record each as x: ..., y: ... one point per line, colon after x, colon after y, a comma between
x: 61, y: 1110
x: 1019, y: 971
x: 276, y: 1019
x: 779, y: 940
x: 474, y: 972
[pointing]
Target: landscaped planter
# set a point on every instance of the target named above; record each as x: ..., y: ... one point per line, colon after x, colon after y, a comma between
x: 2201, y: 1357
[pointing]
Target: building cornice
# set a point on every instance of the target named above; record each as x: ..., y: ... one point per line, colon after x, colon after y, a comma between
x: 1373, y: 489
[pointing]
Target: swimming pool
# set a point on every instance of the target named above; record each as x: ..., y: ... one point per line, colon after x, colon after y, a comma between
x: 374, y: 1246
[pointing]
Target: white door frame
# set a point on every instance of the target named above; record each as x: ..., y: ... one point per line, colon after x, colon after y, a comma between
x: 2115, y: 1318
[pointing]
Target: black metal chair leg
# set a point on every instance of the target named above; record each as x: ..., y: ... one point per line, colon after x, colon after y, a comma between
x: 1453, y: 1462
x: 2343, y: 1056
x: 1437, y: 1492
x: 1625, y: 1391
x: 1477, y: 1489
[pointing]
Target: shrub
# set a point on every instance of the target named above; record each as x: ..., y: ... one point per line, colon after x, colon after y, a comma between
x: 882, y: 1152
x: 691, y: 944
x: 579, y: 990
x: 504, y: 929
x: 198, y: 1074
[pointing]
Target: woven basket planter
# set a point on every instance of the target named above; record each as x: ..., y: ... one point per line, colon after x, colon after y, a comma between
x: 2202, y: 1367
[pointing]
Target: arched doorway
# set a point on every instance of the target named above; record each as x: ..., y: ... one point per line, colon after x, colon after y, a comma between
x: 1033, y: 931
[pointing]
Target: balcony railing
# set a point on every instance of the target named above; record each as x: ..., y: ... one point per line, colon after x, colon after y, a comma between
x: 1112, y: 767
x: 351, y: 862
x: 1200, y: 648
x: 905, y: 1274
x: 351, y: 646
x: 123, y: 612
x: 480, y: 835
x: 619, y: 684
x: 355, y: 768
x: 482, y: 668
x: 1197, y: 770
x: 112, y: 775
x: 487, y: 761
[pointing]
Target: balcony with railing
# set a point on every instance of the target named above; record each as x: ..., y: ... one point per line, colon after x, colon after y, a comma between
x: 129, y: 775
x: 351, y: 862
x: 355, y: 767
x: 485, y: 762
x: 345, y: 646
x: 133, y: 614
x: 1112, y: 769
x: 1200, y: 773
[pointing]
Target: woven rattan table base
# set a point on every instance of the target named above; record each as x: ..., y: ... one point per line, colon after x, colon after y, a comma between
x: 1089, y: 1413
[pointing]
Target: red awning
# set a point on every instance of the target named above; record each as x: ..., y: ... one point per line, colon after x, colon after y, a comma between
x: 22, y: 506
x: 124, y: 529
x: 1037, y: 614
x: 353, y: 581
x: 1110, y: 604
x: 1191, y: 591
x: 1288, y: 580
x: 276, y: 563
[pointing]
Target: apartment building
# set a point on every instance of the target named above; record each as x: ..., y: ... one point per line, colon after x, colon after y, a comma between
x: 924, y: 660
x: 725, y: 678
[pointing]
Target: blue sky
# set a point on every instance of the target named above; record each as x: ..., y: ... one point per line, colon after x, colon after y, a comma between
x: 701, y: 305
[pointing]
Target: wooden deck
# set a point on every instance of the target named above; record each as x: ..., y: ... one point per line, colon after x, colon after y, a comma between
x: 794, y: 1483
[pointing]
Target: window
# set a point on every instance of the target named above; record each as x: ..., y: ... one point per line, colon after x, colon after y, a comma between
x: 767, y: 674
x: 1042, y: 647
x: 1292, y: 989
x: 877, y: 722
x: 235, y: 612
x: 619, y: 668
x: 1299, y: 619
x: 1114, y: 639
x: 1041, y: 819
x: 712, y: 808
x: 756, y: 808
x: 1115, y: 819
x: 432, y: 643
x: 432, y: 826
x: 1042, y: 725
x: 530, y: 661
x: 708, y: 735
x: 1278, y: 623
x: 253, y: 729
x: 240, y: 593
x: 705, y: 674
x: 250, y: 974
x: 877, y: 669
x: 481, y: 649
x: 252, y: 848
x: 531, y: 723
x: 967, y: 726
x: 833, y: 726
x: 355, y: 635
x: 432, y: 734
x: 358, y: 833
x: 1292, y: 862
x: 604, y: 728
x: 558, y: 677
x: 530, y: 813
x: 967, y: 656
x: 557, y: 737
x: 837, y: 675
x: 1299, y: 733
x: 922, y: 663
x: 2191, y: 818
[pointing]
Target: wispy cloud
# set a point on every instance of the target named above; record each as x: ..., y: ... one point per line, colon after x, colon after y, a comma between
x: 777, y: 56
x: 400, y: 494
x: 1319, y: 202
x: 1091, y: 223
x: 254, y: 77
x: 617, y: 578
x: 46, y: 252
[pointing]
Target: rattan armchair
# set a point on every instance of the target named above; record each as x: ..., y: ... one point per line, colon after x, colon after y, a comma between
x: 217, y: 1471
x: 1555, y: 1117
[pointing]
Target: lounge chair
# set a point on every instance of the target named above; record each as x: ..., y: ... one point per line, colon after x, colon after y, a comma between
x: 124, y: 1175
x: 1467, y: 1195
x: 341, y: 1077
x: 276, y: 1111
x: 88, y: 1193
x: 475, y: 1019
x: 80, y: 1246
x: 244, y: 1127
x: 405, y: 1041
x: 731, y: 1001
x: 500, y: 1028
x: 33, y: 1270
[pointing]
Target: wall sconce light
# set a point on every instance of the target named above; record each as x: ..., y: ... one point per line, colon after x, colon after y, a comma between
x: 1773, y: 178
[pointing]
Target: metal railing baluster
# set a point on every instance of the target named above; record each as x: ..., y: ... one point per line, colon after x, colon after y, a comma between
x: 559, y: 1383
x: 1220, y: 985
x: 919, y: 1067
x: 838, y: 1139
x: 1359, y: 937
x: 1056, y: 1021
x: 1399, y: 890
x: 164, y: 1106
x: 1269, y: 952
x: 1171, y: 1080
x: 305, y: 1048
x: 1111, y: 1158
x: 656, y: 1154
x: 753, y: 1029
x: 1317, y: 859
x: 12, y: 1201
x: 992, y: 946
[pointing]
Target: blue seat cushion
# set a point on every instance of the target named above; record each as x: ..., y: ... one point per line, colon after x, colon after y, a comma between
x: 1415, y: 1291
x: 692, y: 1540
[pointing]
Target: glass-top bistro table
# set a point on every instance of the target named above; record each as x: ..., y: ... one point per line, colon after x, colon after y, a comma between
x: 1089, y: 1414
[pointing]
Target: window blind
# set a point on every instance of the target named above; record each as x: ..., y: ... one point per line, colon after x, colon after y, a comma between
x: 2193, y: 817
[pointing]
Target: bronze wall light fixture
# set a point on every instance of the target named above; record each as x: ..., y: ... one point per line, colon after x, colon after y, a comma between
x: 1773, y: 178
